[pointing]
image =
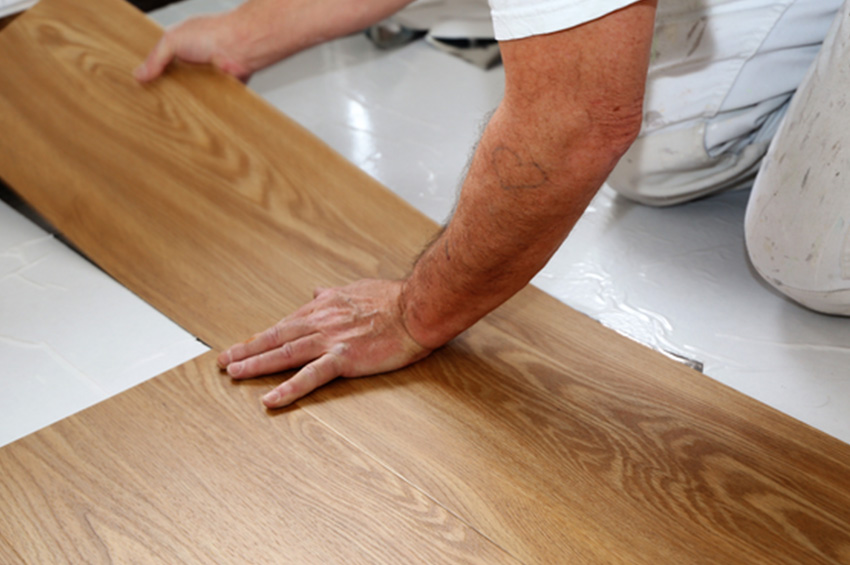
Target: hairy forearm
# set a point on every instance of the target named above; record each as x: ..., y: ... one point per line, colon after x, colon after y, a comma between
x: 521, y: 198
x: 270, y: 30
x: 572, y: 106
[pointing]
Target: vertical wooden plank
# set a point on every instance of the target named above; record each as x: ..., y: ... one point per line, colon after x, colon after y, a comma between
x: 159, y: 171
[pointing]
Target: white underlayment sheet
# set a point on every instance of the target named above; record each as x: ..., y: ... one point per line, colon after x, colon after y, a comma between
x: 70, y: 336
x: 8, y: 7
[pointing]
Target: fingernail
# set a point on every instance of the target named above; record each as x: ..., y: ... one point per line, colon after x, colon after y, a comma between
x: 281, y: 396
x: 138, y: 72
x: 223, y: 360
x: 272, y: 399
x: 235, y: 369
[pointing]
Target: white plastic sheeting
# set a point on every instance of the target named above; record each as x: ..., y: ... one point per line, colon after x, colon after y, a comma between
x: 9, y: 7
x: 70, y: 336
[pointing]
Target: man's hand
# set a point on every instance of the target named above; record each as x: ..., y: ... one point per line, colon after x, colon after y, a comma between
x: 202, y: 40
x: 352, y: 331
x: 572, y: 106
x: 261, y: 32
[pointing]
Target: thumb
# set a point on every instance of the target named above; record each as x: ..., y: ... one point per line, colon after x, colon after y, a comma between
x: 157, y: 60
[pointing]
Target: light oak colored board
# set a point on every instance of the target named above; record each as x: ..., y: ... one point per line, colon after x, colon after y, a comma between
x: 602, y: 457
x: 206, y: 481
x: 553, y: 437
x: 145, y: 160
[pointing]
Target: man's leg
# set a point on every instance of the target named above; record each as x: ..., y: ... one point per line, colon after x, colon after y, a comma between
x: 798, y: 217
x: 719, y: 83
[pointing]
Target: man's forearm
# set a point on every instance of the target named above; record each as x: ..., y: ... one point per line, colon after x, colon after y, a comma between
x: 569, y: 113
x: 271, y: 30
x: 519, y: 202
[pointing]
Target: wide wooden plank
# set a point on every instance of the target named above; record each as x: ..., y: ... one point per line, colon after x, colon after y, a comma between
x: 133, y: 169
x: 601, y: 457
x: 207, y: 481
x: 550, y: 435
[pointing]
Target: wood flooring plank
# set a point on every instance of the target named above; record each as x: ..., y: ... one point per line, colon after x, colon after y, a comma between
x: 207, y: 481
x: 171, y: 159
x: 550, y: 435
x: 602, y: 460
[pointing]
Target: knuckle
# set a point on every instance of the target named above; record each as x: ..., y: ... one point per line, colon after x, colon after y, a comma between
x: 165, y: 46
x: 274, y: 334
x: 311, y: 373
x: 339, y: 350
x: 249, y: 366
x: 287, y: 351
x: 338, y: 359
x: 291, y: 388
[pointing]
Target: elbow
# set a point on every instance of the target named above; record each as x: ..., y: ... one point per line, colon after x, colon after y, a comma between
x: 569, y: 144
x: 607, y: 134
x: 590, y: 148
x: 620, y: 133
x: 587, y: 135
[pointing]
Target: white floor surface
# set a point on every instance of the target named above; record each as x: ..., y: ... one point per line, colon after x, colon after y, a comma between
x: 70, y: 336
x: 676, y: 279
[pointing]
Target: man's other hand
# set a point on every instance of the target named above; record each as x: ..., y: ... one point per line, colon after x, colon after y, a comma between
x: 203, y: 40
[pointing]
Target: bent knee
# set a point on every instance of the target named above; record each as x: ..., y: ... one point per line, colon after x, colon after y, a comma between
x: 800, y: 247
x: 816, y: 279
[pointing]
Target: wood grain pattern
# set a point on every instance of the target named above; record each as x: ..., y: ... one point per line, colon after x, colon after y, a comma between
x: 663, y: 475
x: 161, y: 157
x: 538, y: 433
x: 207, y: 481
